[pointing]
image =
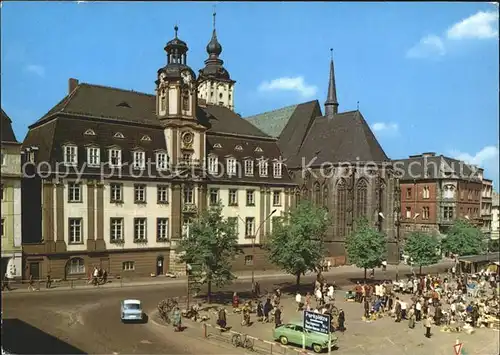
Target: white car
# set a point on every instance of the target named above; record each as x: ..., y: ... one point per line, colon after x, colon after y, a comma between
x: 131, y: 310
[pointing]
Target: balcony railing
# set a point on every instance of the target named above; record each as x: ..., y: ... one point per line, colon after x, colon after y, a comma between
x: 186, y: 163
x: 189, y: 208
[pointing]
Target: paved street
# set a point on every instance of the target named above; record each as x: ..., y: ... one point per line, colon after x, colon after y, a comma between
x: 88, y: 320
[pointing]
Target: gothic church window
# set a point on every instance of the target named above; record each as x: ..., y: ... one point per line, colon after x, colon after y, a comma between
x: 361, y: 198
x: 325, y: 196
x: 341, y: 208
x: 317, y: 194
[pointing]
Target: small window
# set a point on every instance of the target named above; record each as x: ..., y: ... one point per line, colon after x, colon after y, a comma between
x: 408, y: 192
x: 89, y: 132
x: 162, y: 229
x: 250, y: 227
x: 408, y: 212
x: 238, y: 148
x: 231, y: 166
x: 75, y: 230
x: 258, y: 149
x: 128, y: 266
x: 70, y: 155
x: 185, y: 102
x: 162, y: 193
x: 188, y: 195
x: 139, y: 161
x: 213, y: 164
x: 233, y: 221
x: 119, y: 135
x: 217, y: 145
x: 250, y: 198
x: 425, y: 213
x: 116, y: 193
x: 248, y: 167
x: 162, y: 161
x: 248, y: 260
x: 76, y: 266
x: 233, y: 197
x: 214, y: 197
x: 276, y: 198
x: 93, y: 156
x: 146, y: 138
x: 140, y: 193
x: 140, y: 230
x: 2, y: 227
x: 277, y: 168
x: 116, y: 230
x: 74, y: 192
x: 115, y: 157
x: 263, y: 168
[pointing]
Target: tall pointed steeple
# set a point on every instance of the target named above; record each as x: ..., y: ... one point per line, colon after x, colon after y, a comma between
x: 331, y: 103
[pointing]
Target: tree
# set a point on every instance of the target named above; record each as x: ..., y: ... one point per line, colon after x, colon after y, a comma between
x: 296, y: 242
x: 366, y: 247
x: 210, y: 247
x: 423, y: 249
x: 463, y: 238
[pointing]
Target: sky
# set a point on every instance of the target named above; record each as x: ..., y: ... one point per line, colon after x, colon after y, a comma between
x: 424, y: 75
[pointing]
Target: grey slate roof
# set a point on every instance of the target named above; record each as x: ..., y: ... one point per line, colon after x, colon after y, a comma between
x: 429, y: 166
x: 8, y: 135
x: 272, y: 122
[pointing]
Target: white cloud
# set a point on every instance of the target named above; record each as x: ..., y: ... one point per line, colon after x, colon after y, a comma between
x: 486, y: 158
x: 429, y: 46
x: 35, y: 69
x: 296, y: 84
x: 481, y: 25
x: 382, y: 127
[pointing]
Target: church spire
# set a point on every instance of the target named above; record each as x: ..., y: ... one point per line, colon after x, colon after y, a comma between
x: 331, y: 104
x: 214, y: 49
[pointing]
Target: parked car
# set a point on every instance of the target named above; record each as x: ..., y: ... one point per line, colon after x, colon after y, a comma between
x: 291, y: 333
x: 131, y: 310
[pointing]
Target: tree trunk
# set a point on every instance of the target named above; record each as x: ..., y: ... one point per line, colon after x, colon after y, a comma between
x: 209, y: 292
x: 297, y: 284
x: 420, y: 270
x: 365, y: 275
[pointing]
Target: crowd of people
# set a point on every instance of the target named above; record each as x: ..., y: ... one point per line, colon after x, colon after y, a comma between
x: 465, y: 301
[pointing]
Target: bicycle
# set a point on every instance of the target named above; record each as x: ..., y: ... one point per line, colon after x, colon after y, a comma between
x: 243, y: 342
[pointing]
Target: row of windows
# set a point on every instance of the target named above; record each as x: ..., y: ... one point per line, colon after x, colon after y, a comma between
x: 250, y: 231
x: 77, y: 266
x: 163, y: 161
x: 214, y: 197
x: 448, y: 193
x: 425, y: 213
x: 116, y: 228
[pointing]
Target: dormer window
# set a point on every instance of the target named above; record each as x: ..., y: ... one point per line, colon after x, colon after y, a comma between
x: 217, y: 145
x: 263, y: 167
x: 93, y: 156
x: 89, y: 132
x: 162, y: 161
x: 258, y: 149
x: 238, y: 148
x: 277, y: 167
x: 146, y: 138
x: 115, y: 157
x: 231, y: 166
x: 249, y: 167
x: 70, y: 155
x: 139, y: 160
x: 119, y: 135
x: 213, y: 164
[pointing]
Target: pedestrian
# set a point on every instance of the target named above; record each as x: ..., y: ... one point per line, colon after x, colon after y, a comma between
x: 404, y: 307
x: 221, y: 321
x: 6, y: 282
x: 319, y: 297
x: 277, y: 317
x: 358, y: 293
x: 328, y: 264
x: 427, y: 325
x: 411, y: 318
x: 257, y: 288
x: 48, y: 284
x: 384, y: 265
x: 367, y: 309
x: 236, y: 301
x: 418, y: 311
x: 298, y: 300
x: 30, y: 284
x: 398, y: 310
x: 267, y: 309
x: 341, y: 320
x: 260, y: 311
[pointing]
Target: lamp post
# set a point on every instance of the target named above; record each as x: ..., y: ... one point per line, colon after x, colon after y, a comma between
x: 253, y: 241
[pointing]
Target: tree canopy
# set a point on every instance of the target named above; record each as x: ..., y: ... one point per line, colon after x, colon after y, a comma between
x: 296, y: 242
x: 463, y: 238
x: 210, y: 247
x: 366, y: 247
x: 423, y: 249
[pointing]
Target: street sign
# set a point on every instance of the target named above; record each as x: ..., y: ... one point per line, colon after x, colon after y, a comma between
x: 458, y: 348
x: 316, y: 322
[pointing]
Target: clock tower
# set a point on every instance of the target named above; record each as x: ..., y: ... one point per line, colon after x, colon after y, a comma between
x: 176, y: 104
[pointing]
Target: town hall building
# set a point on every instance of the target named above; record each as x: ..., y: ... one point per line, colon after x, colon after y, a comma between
x: 113, y: 177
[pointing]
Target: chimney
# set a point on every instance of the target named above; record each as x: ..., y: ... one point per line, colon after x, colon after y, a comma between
x: 72, y: 84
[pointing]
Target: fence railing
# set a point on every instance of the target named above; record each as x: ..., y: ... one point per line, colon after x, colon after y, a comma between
x: 210, y: 331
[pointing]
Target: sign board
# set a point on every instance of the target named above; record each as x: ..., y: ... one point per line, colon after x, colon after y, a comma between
x: 458, y: 348
x: 316, y: 322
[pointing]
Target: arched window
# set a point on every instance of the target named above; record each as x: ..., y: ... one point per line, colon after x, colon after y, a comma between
x: 325, y: 196
x: 341, y: 207
x: 361, y: 198
x: 297, y: 197
x: 185, y: 101
x: 317, y: 194
x: 75, y: 266
x: 304, y: 193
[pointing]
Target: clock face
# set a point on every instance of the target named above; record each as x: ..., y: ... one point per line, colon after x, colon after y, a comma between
x: 187, y: 138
